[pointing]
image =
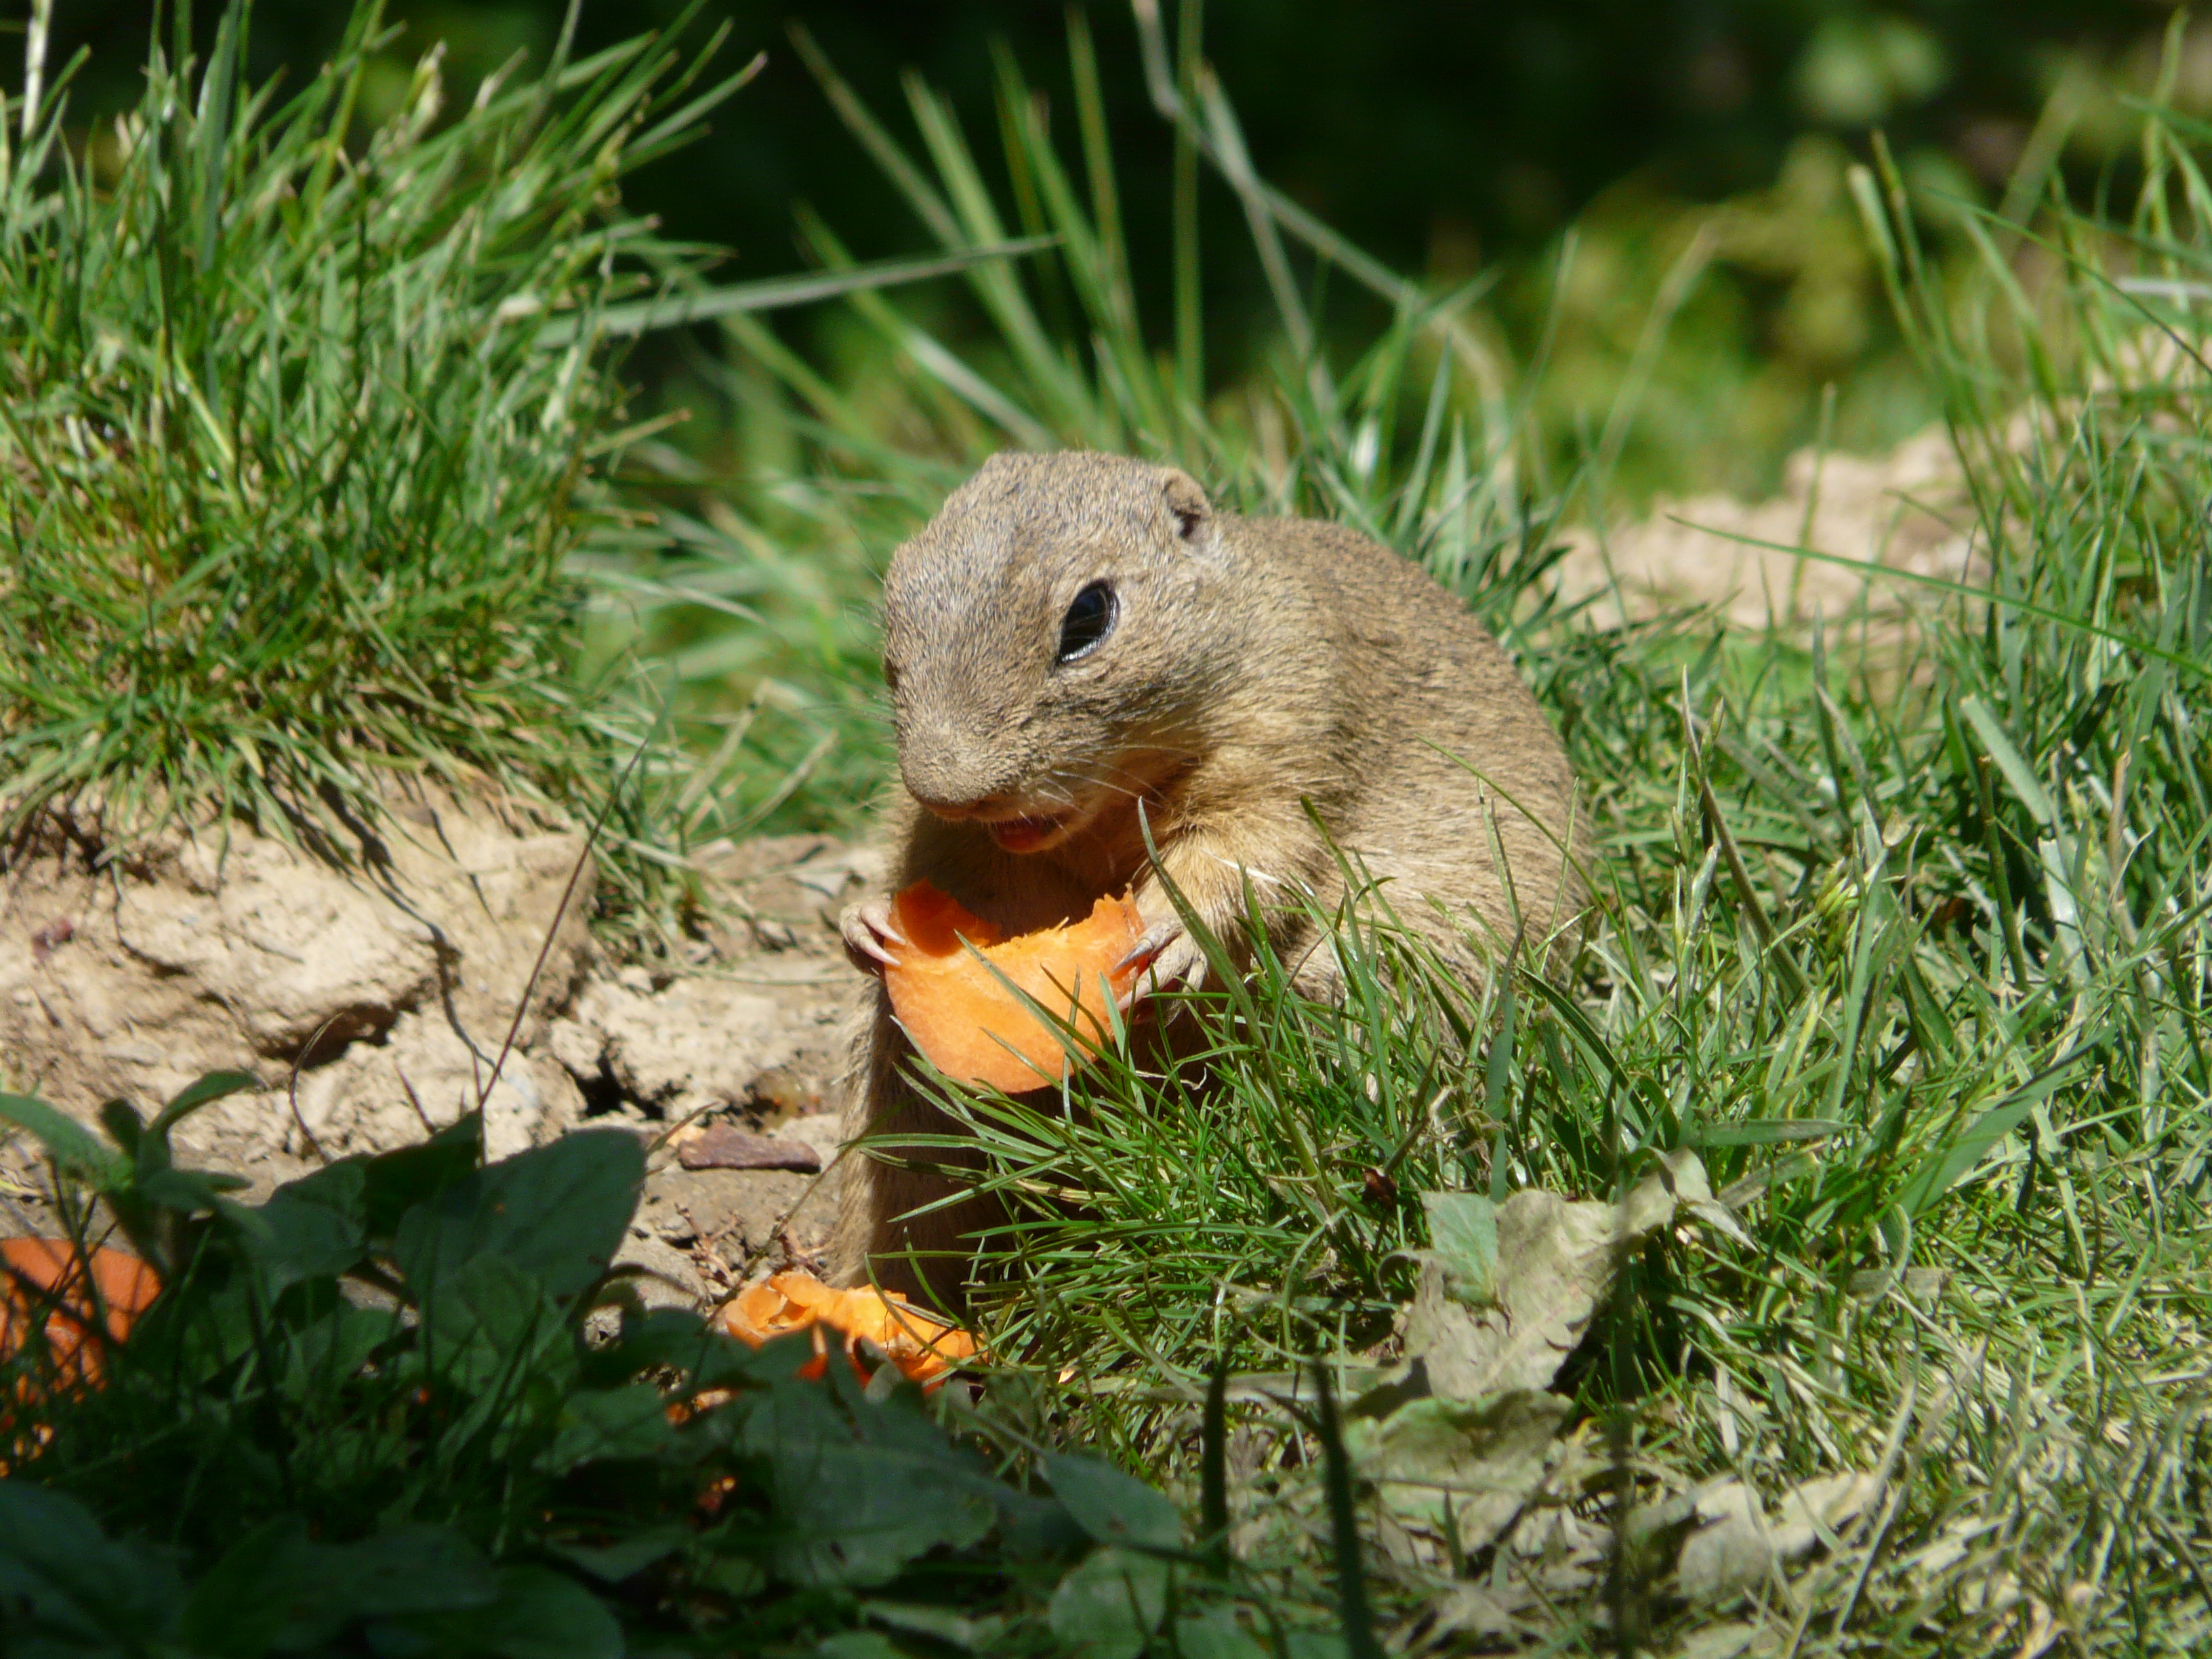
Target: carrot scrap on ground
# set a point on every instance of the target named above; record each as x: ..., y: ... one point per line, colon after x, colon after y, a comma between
x: 923, y: 1345
x: 50, y: 1276
x: 972, y: 1028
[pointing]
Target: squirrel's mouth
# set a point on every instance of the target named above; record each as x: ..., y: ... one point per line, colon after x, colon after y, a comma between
x: 1031, y: 834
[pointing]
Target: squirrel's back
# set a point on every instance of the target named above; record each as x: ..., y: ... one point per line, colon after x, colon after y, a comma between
x: 1447, y: 759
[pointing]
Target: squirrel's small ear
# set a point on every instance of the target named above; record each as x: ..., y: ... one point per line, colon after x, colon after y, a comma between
x: 1186, y: 503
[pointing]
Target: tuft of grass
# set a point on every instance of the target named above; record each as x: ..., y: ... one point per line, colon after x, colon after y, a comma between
x: 287, y: 468
x: 1255, y: 1200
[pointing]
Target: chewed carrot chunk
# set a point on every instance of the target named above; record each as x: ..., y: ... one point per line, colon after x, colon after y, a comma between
x: 971, y: 1027
x: 920, y: 1344
x: 49, y: 1277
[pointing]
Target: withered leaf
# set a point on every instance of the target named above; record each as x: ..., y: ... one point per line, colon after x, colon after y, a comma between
x: 1481, y: 1459
x: 1485, y: 1321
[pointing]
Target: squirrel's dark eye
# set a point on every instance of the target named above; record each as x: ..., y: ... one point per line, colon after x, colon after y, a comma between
x: 1089, y: 620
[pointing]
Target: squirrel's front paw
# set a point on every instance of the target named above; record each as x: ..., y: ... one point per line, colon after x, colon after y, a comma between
x: 865, y: 928
x: 1166, y: 955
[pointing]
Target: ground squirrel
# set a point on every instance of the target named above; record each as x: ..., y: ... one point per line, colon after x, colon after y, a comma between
x: 1077, y: 636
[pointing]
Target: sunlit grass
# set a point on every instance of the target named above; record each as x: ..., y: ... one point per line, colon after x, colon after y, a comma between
x: 288, y: 474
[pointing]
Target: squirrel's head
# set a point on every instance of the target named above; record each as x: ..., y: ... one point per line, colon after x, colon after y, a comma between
x: 1050, y: 643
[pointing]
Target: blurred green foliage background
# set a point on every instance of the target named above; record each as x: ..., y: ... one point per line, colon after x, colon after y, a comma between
x: 1703, y: 137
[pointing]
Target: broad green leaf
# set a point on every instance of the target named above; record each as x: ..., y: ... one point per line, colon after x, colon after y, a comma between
x: 1034, y: 1527
x: 859, y: 1644
x: 1109, y: 1605
x: 398, y: 1181
x: 310, y: 1228
x: 555, y: 1213
x: 1113, y: 1508
x: 207, y: 1091
x: 674, y: 1338
x: 608, y: 1422
x: 628, y: 1556
x: 326, y: 1353
x: 406, y: 1570
x: 68, y: 1142
x: 938, y: 1624
x: 197, y: 1332
x: 124, y: 1125
x: 1214, y: 1634
x: 64, y: 1579
x: 489, y: 1325
x: 188, y: 1192
x: 860, y: 1489
x: 275, y: 1589
x: 538, y: 1614
x: 1463, y: 1235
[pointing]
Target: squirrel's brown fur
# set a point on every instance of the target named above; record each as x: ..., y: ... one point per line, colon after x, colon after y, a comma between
x: 1254, y: 666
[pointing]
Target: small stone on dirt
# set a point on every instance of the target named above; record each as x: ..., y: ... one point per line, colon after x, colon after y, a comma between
x: 720, y: 1147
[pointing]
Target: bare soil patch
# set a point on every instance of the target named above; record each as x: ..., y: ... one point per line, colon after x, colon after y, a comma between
x: 375, y: 1004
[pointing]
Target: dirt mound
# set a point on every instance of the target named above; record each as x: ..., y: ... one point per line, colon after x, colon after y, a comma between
x: 1906, y: 511
x: 375, y: 1004
x: 387, y: 991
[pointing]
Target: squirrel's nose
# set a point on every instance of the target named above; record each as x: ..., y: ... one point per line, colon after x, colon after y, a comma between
x: 954, y: 774
x: 942, y: 788
x: 986, y: 807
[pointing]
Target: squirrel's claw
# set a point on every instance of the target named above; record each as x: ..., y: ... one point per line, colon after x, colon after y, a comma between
x: 1167, y: 955
x: 1147, y: 951
x: 864, y: 928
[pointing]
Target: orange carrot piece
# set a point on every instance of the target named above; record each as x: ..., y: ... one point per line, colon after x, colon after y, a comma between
x: 972, y: 1028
